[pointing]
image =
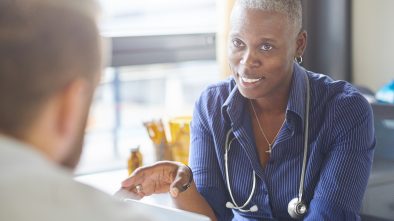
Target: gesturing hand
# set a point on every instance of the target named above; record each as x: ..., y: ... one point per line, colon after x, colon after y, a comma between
x: 161, y: 177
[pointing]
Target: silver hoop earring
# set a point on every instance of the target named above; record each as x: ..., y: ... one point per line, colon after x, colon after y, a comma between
x: 298, y: 59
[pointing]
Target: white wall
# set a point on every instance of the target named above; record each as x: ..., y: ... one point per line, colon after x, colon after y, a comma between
x: 373, y: 42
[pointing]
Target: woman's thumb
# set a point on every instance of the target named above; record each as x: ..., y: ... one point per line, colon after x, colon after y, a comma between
x: 181, y: 182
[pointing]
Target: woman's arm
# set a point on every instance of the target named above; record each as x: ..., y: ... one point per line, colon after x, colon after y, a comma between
x: 172, y: 177
x: 191, y: 200
x: 347, y: 165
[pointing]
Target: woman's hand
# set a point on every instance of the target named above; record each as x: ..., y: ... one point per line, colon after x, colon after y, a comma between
x: 167, y: 176
x: 161, y: 177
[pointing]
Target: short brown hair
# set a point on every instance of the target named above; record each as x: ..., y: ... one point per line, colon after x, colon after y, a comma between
x: 44, y: 45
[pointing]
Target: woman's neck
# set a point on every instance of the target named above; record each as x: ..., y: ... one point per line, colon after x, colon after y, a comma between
x: 273, y: 104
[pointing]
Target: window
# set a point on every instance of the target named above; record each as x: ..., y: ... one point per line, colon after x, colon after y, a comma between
x: 163, y: 56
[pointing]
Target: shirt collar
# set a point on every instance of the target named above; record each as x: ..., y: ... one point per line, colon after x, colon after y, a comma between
x: 297, y: 96
x: 235, y: 104
x: 13, y: 147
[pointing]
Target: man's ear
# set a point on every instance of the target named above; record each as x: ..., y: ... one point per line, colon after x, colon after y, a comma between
x: 72, y: 102
x: 301, y: 43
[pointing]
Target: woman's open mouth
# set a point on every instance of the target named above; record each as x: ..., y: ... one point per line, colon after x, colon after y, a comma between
x: 248, y: 82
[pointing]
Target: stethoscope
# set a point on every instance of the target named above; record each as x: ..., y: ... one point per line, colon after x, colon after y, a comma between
x: 296, y: 207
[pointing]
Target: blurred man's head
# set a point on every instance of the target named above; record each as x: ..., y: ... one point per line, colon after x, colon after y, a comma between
x: 50, y: 62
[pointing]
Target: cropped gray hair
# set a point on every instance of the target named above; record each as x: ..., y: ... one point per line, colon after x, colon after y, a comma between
x: 291, y: 8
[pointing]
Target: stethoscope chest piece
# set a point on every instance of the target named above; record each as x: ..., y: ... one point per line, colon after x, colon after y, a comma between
x: 296, y: 208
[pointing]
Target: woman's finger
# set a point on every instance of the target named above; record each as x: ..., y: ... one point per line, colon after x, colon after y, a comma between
x: 136, y: 177
x: 126, y: 194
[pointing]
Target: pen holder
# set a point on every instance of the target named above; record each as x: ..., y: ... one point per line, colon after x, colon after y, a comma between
x: 157, y: 134
x: 180, y: 138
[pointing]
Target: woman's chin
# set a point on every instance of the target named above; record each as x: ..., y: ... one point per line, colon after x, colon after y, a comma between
x: 250, y: 90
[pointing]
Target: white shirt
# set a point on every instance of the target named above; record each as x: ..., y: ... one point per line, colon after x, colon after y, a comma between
x: 32, y: 188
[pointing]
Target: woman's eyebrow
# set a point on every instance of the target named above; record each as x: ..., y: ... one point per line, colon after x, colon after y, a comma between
x: 234, y: 35
x: 269, y: 40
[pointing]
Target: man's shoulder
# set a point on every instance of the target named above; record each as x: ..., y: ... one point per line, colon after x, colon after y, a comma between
x: 45, y: 191
x: 59, y: 198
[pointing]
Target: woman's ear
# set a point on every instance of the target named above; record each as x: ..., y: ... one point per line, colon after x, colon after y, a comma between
x: 301, y: 43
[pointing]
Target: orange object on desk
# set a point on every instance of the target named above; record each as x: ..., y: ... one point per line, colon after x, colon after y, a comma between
x: 135, y: 159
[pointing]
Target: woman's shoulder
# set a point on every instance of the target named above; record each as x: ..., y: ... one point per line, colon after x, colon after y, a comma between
x: 224, y: 86
x: 218, y: 91
x: 337, y: 93
x: 331, y: 89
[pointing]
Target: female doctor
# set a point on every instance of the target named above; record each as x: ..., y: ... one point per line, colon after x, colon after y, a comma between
x: 275, y: 141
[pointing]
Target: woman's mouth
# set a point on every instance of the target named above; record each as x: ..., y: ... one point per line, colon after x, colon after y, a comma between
x: 248, y: 82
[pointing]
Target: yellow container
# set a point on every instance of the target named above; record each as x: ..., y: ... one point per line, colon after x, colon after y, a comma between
x: 180, y: 138
x: 135, y: 159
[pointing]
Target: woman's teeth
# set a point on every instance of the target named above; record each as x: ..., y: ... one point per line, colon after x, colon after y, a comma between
x: 248, y: 80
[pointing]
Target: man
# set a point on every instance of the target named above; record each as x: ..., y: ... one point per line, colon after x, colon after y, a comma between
x: 50, y: 63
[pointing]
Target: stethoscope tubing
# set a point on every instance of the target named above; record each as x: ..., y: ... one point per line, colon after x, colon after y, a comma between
x: 228, y: 146
x: 304, y: 160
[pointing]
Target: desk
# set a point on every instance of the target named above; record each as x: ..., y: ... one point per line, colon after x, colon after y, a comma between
x: 109, y: 182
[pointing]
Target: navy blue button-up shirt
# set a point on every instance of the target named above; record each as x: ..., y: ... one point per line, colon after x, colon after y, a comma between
x: 340, y: 151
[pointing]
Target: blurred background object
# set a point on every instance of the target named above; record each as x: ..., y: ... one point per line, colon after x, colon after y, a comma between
x: 328, y: 50
x: 157, y: 134
x: 180, y: 138
x: 386, y: 93
x: 378, y: 203
x: 163, y: 56
x: 135, y: 159
x: 171, y: 138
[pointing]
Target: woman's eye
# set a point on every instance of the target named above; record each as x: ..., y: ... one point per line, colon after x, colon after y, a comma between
x: 266, y: 47
x: 237, y: 43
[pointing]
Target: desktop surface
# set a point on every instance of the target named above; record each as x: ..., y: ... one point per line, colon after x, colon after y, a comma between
x: 165, y: 213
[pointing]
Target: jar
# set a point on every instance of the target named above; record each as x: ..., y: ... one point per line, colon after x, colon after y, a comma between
x: 134, y: 160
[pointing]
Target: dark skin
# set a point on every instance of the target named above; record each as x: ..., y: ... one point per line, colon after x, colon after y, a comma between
x: 263, y: 53
x: 263, y: 46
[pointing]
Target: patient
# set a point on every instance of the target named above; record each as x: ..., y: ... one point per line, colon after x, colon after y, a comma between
x: 50, y: 63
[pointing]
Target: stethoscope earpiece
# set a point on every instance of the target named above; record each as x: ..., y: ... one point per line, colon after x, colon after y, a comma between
x: 296, y: 208
x: 230, y: 205
x: 254, y: 208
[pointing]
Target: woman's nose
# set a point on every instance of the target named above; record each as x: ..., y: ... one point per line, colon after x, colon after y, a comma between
x: 250, y: 59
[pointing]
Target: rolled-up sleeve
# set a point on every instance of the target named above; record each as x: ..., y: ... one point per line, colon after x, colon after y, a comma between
x: 347, y: 165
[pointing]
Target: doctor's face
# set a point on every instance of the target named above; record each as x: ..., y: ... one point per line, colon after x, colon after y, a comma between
x: 262, y: 48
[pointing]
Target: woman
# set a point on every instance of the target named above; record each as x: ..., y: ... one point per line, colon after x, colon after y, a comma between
x: 248, y: 133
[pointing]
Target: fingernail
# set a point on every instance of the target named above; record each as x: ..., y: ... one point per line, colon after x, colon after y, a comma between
x: 174, y: 192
